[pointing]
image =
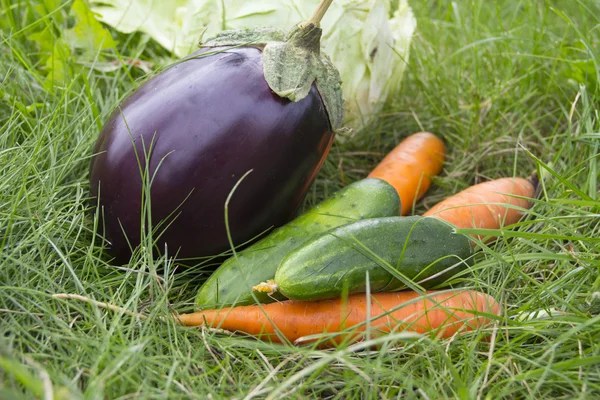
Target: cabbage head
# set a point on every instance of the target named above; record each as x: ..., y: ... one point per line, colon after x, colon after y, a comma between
x: 368, y: 41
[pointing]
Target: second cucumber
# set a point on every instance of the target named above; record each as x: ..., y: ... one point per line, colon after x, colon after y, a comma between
x: 393, y: 251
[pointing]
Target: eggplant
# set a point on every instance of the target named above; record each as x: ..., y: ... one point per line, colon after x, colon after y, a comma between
x: 190, y: 133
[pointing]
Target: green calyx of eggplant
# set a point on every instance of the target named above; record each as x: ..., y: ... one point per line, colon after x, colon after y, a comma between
x: 292, y: 62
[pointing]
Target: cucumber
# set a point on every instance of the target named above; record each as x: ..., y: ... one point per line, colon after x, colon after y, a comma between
x: 425, y: 250
x: 232, y: 282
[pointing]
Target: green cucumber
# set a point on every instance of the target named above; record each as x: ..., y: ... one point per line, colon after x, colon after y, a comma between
x: 394, y: 251
x: 232, y: 282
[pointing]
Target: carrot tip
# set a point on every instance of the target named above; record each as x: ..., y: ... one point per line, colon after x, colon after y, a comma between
x: 534, y: 179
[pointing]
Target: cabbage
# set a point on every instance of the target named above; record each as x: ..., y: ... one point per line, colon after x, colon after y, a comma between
x: 368, y: 41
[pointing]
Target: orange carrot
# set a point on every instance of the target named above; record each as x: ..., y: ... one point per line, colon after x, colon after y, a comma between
x: 485, y: 205
x: 437, y: 313
x: 410, y: 165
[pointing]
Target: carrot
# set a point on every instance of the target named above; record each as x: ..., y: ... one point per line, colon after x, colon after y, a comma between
x: 486, y: 205
x: 410, y: 166
x: 441, y: 313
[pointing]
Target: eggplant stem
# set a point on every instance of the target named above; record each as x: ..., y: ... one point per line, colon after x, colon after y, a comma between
x: 317, y: 16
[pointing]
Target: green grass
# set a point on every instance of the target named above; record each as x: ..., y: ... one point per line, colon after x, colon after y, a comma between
x: 511, y: 86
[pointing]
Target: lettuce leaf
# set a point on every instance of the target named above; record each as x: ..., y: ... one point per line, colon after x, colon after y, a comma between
x: 367, y: 40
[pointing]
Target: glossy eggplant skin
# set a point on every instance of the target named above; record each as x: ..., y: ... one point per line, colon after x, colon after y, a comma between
x: 204, y: 123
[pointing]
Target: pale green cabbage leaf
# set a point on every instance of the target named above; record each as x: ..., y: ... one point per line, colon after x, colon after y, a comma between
x: 368, y: 41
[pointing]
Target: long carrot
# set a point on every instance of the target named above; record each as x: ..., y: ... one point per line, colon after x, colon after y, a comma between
x: 410, y: 166
x: 439, y: 313
x: 486, y: 205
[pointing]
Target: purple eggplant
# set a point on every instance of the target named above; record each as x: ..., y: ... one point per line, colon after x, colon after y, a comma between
x: 191, y: 132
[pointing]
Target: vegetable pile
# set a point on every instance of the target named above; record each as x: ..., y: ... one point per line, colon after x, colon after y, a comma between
x: 210, y: 153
